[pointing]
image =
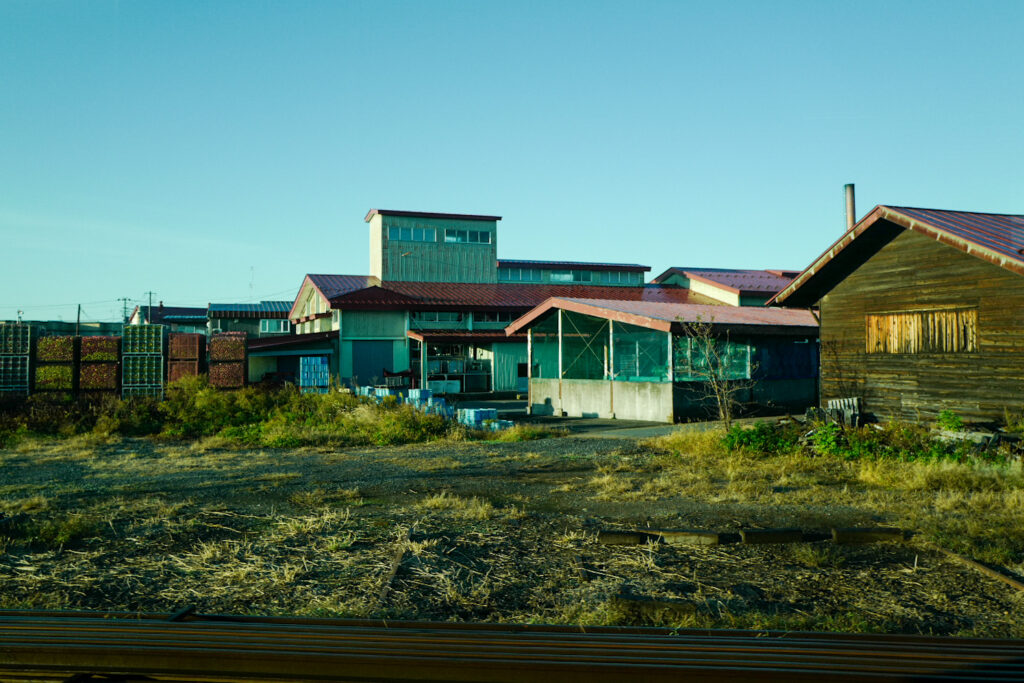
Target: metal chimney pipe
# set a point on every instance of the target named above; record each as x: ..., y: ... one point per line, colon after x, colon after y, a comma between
x: 851, y: 211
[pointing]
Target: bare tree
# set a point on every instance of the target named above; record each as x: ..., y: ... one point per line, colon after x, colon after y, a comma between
x: 710, y: 364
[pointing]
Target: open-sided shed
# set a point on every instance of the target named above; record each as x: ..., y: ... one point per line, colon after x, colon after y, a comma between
x: 641, y: 360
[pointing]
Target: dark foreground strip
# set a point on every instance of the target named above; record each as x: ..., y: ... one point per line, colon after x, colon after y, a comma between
x: 59, y: 646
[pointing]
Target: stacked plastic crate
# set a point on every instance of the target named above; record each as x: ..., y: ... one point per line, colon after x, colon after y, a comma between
x: 227, y: 360
x: 98, y: 369
x: 142, y: 361
x: 15, y: 359
x: 55, y: 368
x: 185, y: 353
x: 314, y: 374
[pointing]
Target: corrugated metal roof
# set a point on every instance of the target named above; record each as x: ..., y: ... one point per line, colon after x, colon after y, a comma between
x: 472, y: 296
x: 264, y: 309
x: 587, y: 265
x: 462, y: 336
x: 430, y: 214
x: 667, y: 316
x: 996, y: 238
x: 335, y: 285
x: 289, y: 340
x: 739, y: 281
x: 1002, y: 233
x: 171, y: 313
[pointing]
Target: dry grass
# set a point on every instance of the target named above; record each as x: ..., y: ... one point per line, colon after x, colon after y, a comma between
x: 507, y: 535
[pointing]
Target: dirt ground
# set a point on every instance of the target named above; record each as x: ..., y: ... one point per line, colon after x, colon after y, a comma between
x: 498, y: 532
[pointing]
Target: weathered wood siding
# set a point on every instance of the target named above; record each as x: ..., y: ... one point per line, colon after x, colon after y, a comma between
x: 915, y: 274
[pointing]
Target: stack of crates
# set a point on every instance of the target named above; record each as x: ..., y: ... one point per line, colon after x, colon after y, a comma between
x: 142, y: 361
x: 475, y: 417
x: 227, y: 360
x: 185, y: 353
x: 98, y: 369
x: 15, y: 359
x: 314, y: 374
x: 55, y: 368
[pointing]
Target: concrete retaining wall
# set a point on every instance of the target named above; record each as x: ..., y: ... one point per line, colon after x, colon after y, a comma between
x: 651, y: 401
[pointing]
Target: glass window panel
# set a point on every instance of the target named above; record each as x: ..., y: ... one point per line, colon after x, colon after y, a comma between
x: 561, y: 276
x: 406, y: 233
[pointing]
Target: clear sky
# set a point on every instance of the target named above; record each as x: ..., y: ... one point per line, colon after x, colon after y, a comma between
x: 218, y: 151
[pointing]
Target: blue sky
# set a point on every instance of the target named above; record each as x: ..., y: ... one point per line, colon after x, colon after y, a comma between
x: 218, y: 151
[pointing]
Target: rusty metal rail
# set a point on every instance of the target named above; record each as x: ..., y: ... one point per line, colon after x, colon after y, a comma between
x: 57, y: 646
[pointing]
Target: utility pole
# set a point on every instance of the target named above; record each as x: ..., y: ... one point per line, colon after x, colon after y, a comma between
x: 124, y: 309
x: 149, y: 311
x: 78, y: 319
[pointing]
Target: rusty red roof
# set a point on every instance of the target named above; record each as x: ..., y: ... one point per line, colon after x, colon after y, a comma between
x: 430, y: 214
x: 584, y: 265
x: 992, y: 237
x: 667, y: 316
x: 738, y: 281
x: 500, y: 295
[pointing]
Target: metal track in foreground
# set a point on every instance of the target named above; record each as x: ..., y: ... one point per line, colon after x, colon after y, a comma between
x: 57, y: 646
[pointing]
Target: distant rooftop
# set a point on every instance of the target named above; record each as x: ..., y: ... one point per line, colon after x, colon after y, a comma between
x: 430, y: 214
x: 264, y: 309
x: 740, y: 281
x: 584, y: 265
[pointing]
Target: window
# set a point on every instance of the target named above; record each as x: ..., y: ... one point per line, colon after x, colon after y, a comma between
x: 412, y: 234
x: 617, y: 277
x: 945, y: 331
x: 436, y: 316
x: 467, y: 236
x: 274, y: 326
x: 493, y: 317
x: 570, y: 275
x: 519, y: 275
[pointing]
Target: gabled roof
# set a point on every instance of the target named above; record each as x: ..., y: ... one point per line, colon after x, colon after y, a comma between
x: 737, y: 281
x: 264, y: 309
x: 429, y: 214
x: 670, y: 317
x: 332, y: 285
x: 440, y: 296
x: 996, y: 238
x: 586, y: 265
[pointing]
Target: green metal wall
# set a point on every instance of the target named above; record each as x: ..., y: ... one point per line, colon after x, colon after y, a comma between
x: 437, y: 261
x: 507, y: 358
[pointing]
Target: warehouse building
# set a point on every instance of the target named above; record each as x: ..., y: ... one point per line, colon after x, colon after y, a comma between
x: 434, y: 309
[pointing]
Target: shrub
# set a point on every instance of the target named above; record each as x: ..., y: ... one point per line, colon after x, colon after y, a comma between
x: 764, y: 438
x: 950, y: 421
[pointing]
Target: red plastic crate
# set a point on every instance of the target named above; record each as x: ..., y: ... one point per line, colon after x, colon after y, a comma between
x: 98, y: 376
x: 227, y: 375
x: 229, y: 346
x: 176, y: 369
x: 185, y: 345
x: 100, y: 349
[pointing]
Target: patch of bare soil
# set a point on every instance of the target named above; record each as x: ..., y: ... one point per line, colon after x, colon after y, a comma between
x: 501, y: 532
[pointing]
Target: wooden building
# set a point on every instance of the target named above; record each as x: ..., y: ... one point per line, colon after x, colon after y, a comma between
x: 921, y: 311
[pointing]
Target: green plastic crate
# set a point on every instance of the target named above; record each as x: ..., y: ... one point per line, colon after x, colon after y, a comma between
x: 139, y: 392
x: 15, y: 339
x: 142, y: 370
x: 142, y: 339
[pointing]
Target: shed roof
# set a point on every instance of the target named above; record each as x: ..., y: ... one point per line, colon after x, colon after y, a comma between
x: 463, y: 336
x: 500, y: 295
x: 996, y: 238
x: 738, y: 281
x: 289, y: 340
x: 430, y: 214
x: 670, y: 317
x: 550, y: 265
x: 264, y: 309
